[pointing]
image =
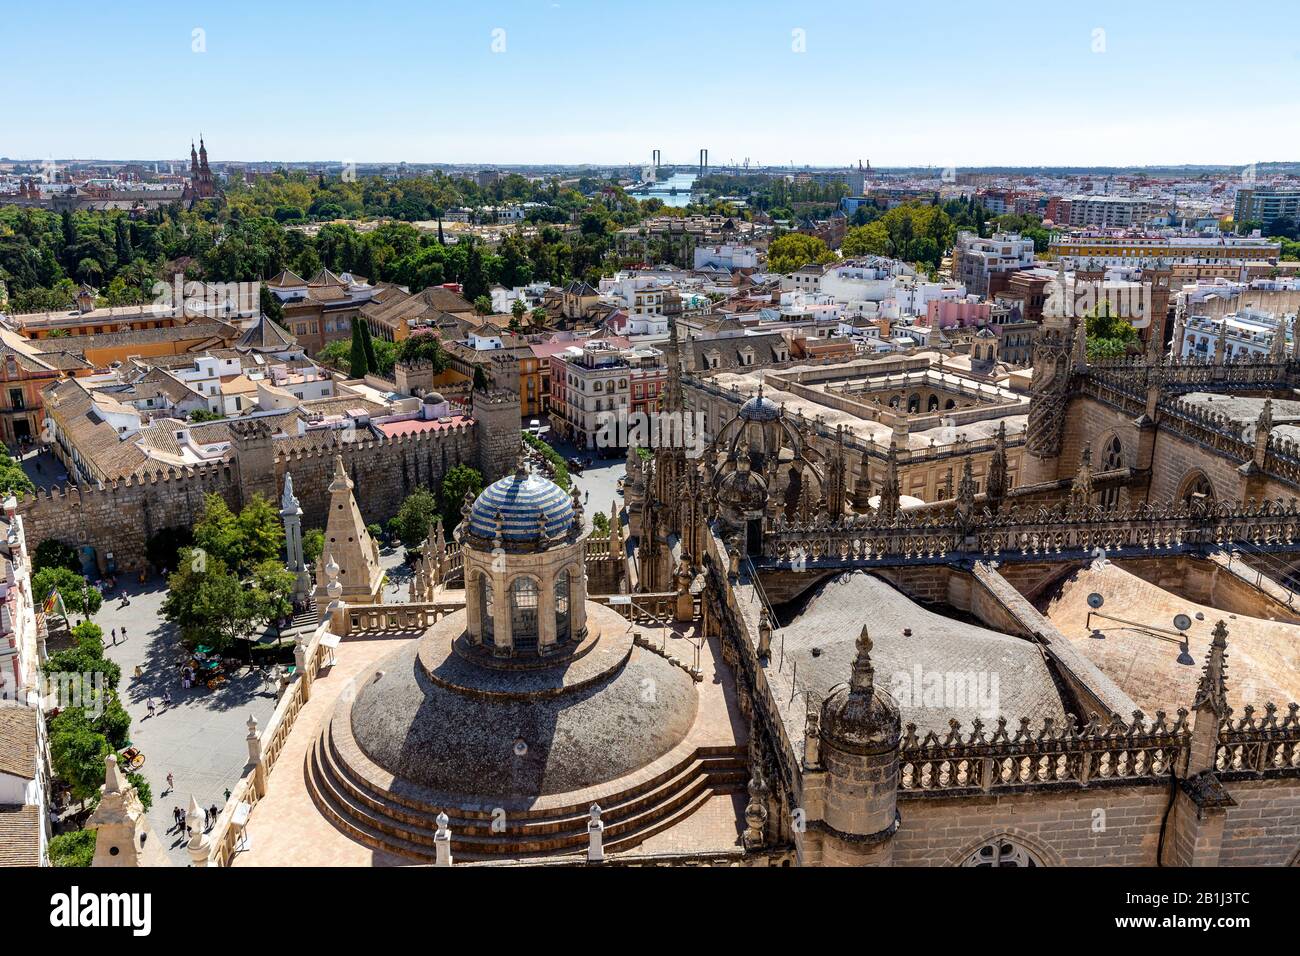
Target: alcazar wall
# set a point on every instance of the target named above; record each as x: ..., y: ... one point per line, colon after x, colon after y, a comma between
x: 118, y: 519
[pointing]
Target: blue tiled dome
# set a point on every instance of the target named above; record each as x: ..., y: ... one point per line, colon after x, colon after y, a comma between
x: 521, y: 499
x: 760, y: 409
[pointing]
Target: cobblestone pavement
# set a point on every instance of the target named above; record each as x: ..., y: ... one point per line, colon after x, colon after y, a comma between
x: 200, y: 738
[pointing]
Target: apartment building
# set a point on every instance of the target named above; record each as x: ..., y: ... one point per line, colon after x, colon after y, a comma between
x: 1224, y: 251
x: 1264, y: 204
x: 597, y: 379
x: 984, y: 266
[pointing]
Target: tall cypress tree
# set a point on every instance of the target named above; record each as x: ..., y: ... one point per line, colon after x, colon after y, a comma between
x: 371, y: 362
x: 358, y: 363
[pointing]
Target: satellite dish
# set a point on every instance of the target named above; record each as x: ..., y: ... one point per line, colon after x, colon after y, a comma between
x: 1095, y: 600
x: 1182, y: 622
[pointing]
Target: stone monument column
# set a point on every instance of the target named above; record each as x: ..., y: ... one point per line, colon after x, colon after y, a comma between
x: 291, y: 517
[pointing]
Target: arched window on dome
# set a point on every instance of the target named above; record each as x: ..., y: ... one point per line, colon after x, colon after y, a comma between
x: 523, y: 614
x: 1001, y: 852
x: 562, y: 616
x: 485, y: 602
x: 932, y: 403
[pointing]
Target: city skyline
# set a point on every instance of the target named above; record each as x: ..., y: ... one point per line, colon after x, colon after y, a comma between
x: 574, y: 82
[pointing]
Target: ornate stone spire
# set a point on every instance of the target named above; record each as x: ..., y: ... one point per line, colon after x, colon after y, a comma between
x: 1263, y: 429
x: 1212, y: 691
x: 1277, y: 348
x: 863, y: 681
x: 862, y: 488
x: 889, y: 491
x: 966, y: 489
x: 997, y: 485
x: 1081, y: 490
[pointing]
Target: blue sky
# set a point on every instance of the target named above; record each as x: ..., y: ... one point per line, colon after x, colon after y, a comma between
x: 590, y: 81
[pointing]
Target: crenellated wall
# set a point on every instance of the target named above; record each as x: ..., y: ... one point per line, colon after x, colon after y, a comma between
x: 119, y: 518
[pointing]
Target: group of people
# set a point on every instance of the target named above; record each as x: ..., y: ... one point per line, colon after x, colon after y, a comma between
x: 180, y: 824
x: 153, y: 708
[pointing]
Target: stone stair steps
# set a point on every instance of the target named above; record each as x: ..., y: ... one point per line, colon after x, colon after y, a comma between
x: 631, y: 817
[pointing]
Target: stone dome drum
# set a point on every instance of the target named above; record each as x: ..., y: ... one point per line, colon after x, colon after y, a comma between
x: 521, y: 499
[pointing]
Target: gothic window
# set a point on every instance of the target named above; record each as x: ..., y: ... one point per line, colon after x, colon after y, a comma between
x: 562, y: 607
x: 485, y: 602
x: 523, y: 614
x: 1114, y: 459
x: 1001, y: 852
x: 1197, y: 490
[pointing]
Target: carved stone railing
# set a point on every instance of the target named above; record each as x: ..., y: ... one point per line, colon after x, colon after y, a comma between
x: 267, y: 746
x: 1061, y: 533
x: 1268, y: 746
x: 1114, y: 752
x: 396, y: 617
x: 1103, y: 751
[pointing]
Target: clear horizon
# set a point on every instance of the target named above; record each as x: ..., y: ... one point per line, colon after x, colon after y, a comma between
x: 574, y: 82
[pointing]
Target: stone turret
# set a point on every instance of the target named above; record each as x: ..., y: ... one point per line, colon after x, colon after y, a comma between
x: 859, y: 732
x: 496, y: 425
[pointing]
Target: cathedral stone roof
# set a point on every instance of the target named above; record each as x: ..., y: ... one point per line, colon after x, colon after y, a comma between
x: 521, y: 499
x: 942, y: 669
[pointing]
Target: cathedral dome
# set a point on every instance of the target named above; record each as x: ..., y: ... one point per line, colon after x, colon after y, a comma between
x: 522, y: 500
x: 760, y: 409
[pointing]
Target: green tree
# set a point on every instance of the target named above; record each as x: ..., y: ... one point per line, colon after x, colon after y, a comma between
x: 483, y: 305
x: 209, y: 604
x: 273, y: 590
x: 357, y: 363
x: 423, y: 347
x: 77, y: 752
x: 1109, y: 336
x: 76, y: 848
x: 415, y: 517
x: 79, y: 596
x: 794, y: 250
x: 372, y: 364
x: 53, y: 553
x: 240, y: 541
x: 313, y: 545
x: 13, y: 480
x: 270, y: 304
x: 458, y: 481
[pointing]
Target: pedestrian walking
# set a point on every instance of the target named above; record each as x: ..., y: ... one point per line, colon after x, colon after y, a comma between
x: 167, y: 698
x: 123, y: 633
x: 177, y: 819
x: 149, y: 706
x: 114, y: 636
x: 171, y: 782
x: 213, y: 811
x: 207, y: 824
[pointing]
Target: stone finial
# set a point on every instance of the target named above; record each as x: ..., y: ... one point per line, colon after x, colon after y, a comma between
x: 864, y: 674
x: 114, y: 781
x: 756, y: 812
x: 966, y: 488
x: 1212, y: 690
x: 251, y: 724
x: 334, y: 588
x: 341, y: 481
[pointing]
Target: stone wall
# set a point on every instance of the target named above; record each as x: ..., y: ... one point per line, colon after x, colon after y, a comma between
x: 1263, y: 829
x: 1110, y: 826
x: 119, y: 518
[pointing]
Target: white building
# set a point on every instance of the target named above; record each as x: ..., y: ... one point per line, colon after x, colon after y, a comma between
x: 726, y: 257
x: 1248, y: 332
